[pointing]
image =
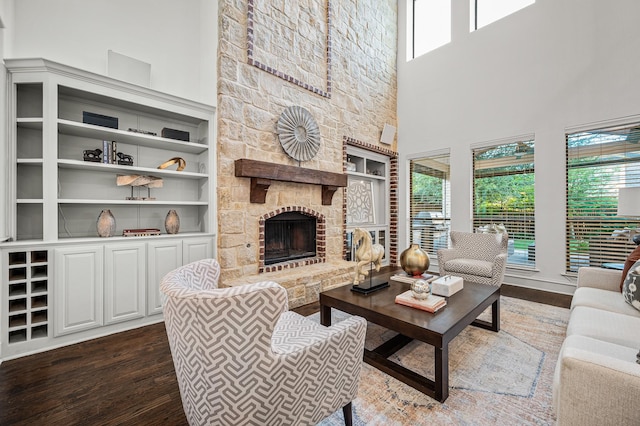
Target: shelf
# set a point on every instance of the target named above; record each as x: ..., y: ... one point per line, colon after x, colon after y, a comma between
x: 34, y: 123
x: 366, y: 175
x: 39, y: 302
x: 121, y: 238
x: 39, y: 317
x: 40, y: 256
x: 17, y: 258
x: 18, y: 321
x: 38, y: 272
x: 40, y: 331
x: 39, y: 287
x: 18, y: 289
x: 18, y: 336
x: 17, y: 305
x: 115, y: 168
x: 262, y: 173
x: 133, y: 202
x: 30, y: 161
x: 17, y: 274
x: 90, y: 131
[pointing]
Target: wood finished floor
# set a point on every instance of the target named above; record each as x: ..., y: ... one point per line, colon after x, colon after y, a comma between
x: 126, y: 378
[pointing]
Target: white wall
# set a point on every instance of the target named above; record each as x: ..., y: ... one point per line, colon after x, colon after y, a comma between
x: 177, y: 37
x: 553, y: 66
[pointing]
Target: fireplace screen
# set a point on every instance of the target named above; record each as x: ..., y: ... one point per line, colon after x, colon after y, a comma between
x: 289, y: 236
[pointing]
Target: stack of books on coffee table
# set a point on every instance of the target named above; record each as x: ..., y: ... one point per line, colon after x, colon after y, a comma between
x: 406, y: 278
x: 432, y: 304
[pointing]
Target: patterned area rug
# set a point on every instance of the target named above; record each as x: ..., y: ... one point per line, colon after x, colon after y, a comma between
x: 494, y: 378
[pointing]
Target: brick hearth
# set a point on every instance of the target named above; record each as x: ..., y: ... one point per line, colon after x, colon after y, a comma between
x: 303, y: 284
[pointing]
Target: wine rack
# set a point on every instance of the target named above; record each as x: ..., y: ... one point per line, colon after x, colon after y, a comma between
x: 27, y: 296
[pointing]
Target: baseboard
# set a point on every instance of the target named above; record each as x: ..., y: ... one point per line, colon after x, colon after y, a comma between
x: 534, y: 295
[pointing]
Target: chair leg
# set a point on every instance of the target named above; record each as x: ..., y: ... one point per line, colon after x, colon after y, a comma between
x: 348, y: 414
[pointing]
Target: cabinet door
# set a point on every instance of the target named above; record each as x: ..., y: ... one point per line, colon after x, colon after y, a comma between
x: 125, y: 278
x: 78, y: 289
x: 197, y: 248
x: 163, y: 257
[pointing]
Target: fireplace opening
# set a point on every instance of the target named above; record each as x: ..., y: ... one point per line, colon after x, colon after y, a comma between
x: 289, y: 236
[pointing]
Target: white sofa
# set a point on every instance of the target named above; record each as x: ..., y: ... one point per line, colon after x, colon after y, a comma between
x: 597, y: 378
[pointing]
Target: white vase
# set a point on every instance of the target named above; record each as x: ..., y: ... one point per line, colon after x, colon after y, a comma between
x: 106, y: 224
x: 172, y: 222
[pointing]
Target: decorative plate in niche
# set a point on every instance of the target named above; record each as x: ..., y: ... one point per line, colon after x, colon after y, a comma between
x: 298, y: 133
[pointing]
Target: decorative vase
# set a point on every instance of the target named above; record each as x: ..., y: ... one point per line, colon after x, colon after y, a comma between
x: 414, y: 260
x: 172, y: 222
x: 420, y: 289
x: 106, y: 224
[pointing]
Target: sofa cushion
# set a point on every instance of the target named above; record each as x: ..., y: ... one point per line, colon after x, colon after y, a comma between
x: 633, y: 257
x: 470, y: 266
x: 631, y: 286
x: 598, y: 298
x: 597, y: 353
x: 611, y: 327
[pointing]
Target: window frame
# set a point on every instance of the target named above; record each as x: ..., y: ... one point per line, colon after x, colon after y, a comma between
x: 438, y: 226
x: 413, y: 29
x: 473, y: 12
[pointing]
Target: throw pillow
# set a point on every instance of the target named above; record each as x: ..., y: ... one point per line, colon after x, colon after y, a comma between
x: 631, y: 286
x: 634, y: 256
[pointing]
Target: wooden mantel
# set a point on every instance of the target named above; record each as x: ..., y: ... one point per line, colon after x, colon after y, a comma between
x: 262, y: 173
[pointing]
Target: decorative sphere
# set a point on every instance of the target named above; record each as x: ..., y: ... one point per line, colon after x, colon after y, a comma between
x: 414, y: 260
x: 420, y: 289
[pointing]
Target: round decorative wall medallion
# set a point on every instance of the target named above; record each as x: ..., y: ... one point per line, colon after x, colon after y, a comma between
x: 298, y: 133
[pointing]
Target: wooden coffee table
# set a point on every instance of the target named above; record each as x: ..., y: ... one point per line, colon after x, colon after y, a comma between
x: 436, y: 329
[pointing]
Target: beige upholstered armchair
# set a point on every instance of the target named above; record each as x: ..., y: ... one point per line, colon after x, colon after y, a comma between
x: 242, y: 359
x: 476, y: 257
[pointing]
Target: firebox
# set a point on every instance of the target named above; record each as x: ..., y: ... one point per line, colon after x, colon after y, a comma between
x: 289, y: 236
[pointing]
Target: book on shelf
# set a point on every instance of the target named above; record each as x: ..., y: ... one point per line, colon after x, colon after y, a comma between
x: 432, y: 304
x: 140, y: 232
x: 106, y: 151
x: 109, y: 149
x: 403, y: 277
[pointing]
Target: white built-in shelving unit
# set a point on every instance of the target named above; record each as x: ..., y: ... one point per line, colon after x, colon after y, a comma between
x: 61, y: 282
x: 368, y: 171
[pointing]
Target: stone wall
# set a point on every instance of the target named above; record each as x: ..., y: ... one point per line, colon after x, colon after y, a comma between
x: 350, y: 92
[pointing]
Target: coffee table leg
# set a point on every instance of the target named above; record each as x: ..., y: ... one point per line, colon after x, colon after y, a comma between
x: 325, y: 315
x: 442, y: 373
x: 495, y: 315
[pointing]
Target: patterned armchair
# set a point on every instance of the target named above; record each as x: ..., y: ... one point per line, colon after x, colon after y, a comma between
x: 476, y: 257
x: 242, y: 359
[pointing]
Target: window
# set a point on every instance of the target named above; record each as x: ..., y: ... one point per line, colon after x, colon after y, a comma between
x: 430, y: 202
x: 599, y: 163
x: 484, y: 12
x: 503, y: 194
x: 431, y: 25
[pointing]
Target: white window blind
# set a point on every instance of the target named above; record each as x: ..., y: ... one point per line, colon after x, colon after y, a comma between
x: 599, y: 163
x: 503, y: 194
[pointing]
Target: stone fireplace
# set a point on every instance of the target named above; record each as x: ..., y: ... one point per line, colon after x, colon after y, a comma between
x: 338, y: 61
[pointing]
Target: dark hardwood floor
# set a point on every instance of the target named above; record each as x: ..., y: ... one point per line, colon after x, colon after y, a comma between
x: 126, y: 378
